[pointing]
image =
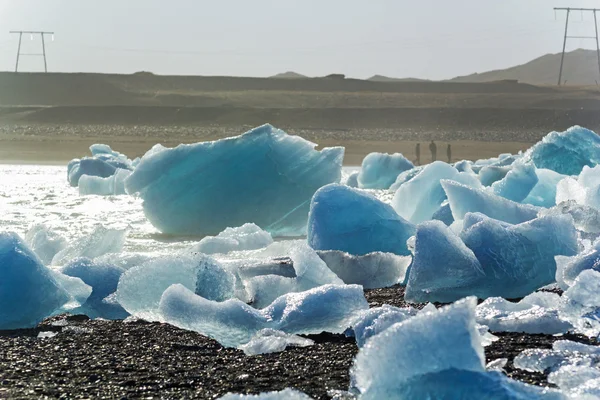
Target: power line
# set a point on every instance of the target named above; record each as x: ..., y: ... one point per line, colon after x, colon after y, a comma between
x: 582, y: 10
x: 42, y: 54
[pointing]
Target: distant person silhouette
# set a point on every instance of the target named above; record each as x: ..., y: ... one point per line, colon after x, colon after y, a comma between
x: 433, y: 150
x: 449, y: 153
x: 418, y: 153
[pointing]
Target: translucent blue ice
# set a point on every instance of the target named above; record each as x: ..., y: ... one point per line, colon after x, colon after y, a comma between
x: 418, y: 199
x: 518, y: 259
x: 444, y: 214
x: 536, y: 313
x: 111, y: 186
x: 44, y: 242
x: 377, y: 320
x: 563, y: 353
x: 464, y: 199
x: 327, y: 308
x: 28, y: 290
x: 103, y: 278
x: 373, y: 270
x: 346, y: 219
x: 543, y: 193
x: 273, y: 341
x: 443, y: 268
x: 566, y: 152
x: 246, y: 237
x: 517, y: 183
x: 103, y: 163
x: 263, y: 176
x: 352, y: 180
x: 380, y: 170
x: 569, y: 268
x: 582, y: 303
x: 101, y: 241
x: 586, y: 219
x: 405, y: 177
x: 490, y: 174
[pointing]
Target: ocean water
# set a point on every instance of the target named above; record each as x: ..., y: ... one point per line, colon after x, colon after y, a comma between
x: 32, y: 194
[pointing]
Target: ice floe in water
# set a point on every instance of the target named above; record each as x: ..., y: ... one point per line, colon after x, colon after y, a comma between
x: 104, y: 163
x: 263, y: 176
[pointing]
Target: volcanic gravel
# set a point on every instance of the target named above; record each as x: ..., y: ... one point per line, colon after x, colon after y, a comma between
x: 137, y: 359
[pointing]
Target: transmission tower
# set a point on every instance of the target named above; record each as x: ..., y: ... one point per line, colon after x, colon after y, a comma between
x: 42, y: 54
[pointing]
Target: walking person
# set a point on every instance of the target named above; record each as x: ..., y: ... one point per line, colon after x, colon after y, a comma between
x: 418, y: 153
x: 433, y: 150
x: 449, y: 153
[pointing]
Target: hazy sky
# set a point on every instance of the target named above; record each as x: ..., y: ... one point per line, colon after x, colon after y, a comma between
x: 426, y: 39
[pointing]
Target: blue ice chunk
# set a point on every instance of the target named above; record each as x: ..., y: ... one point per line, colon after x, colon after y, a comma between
x: 101, y: 241
x: 490, y: 174
x: 566, y: 152
x: 213, y: 282
x: 272, y: 341
x: 246, y: 237
x: 517, y: 183
x: 103, y: 278
x: 377, y: 320
x: 113, y: 185
x: 327, y: 308
x: 587, y: 219
x: 444, y: 214
x: 44, y: 242
x: 405, y: 177
x: 92, y: 167
x: 352, y: 180
x: 380, y: 170
x: 346, y: 219
x: 443, y: 268
x: 263, y: 176
x: 427, y: 343
x: 28, y: 290
x: 519, y: 259
x: 287, y: 394
x: 140, y: 288
x: 373, y: 270
x: 569, y: 268
x: 543, y: 193
x: 581, y: 303
x: 464, y: 166
x: 464, y: 199
x: 535, y: 313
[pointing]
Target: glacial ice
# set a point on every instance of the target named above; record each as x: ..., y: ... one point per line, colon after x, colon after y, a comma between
x: 140, y: 288
x: 447, y: 274
x: 405, y: 177
x: 104, y: 163
x: 518, y: 182
x: 581, y: 303
x: 490, y: 174
x: 330, y: 308
x: 586, y: 219
x: 566, y: 152
x: 352, y: 180
x: 213, y: 282
x: 103, y: 278
x: 349, y: 220
x: 536, y: 313
x: 578, y: 381
x: 543, y: 193
x: 380, y: 170
x: 418, y: 199
x: 444, y: 214
x: 563, y: 353
x: 205, y: 187
x: 569, y: 268
x: 464, y: 199
x: 44, y: 242
x: 28, y: 290
x: 273, y: 341
x: 113, y: 185
x: 519, y: 259
x: 373, y: 270
x: 378, y: 319
x: 287, y: 394
x: 101, y: 241
x: 246, y: 237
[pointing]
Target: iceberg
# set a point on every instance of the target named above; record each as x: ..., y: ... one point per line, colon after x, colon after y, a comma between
x: 204, y: 188
x: 518, y: 182
x: 28, y: 289
x: 566, y: 152
x: 103, y: 278
x: 355, y: 222
x: 101, y: 241
x: 536, y: 313
x: 380, y: 170
x: 113, y: 185
x: 327, y: 308
x: 245, y: 237
x: 448, y: 273
x: 518, y: 259
x: 418, y: 199
x: 44, y: 242
x: 272, y: 341
x: 464, y: 199
x: 104, y: 163
x: 373, y: 270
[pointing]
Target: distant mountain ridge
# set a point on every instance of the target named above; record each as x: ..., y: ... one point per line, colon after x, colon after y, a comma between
x: 580, y: 68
